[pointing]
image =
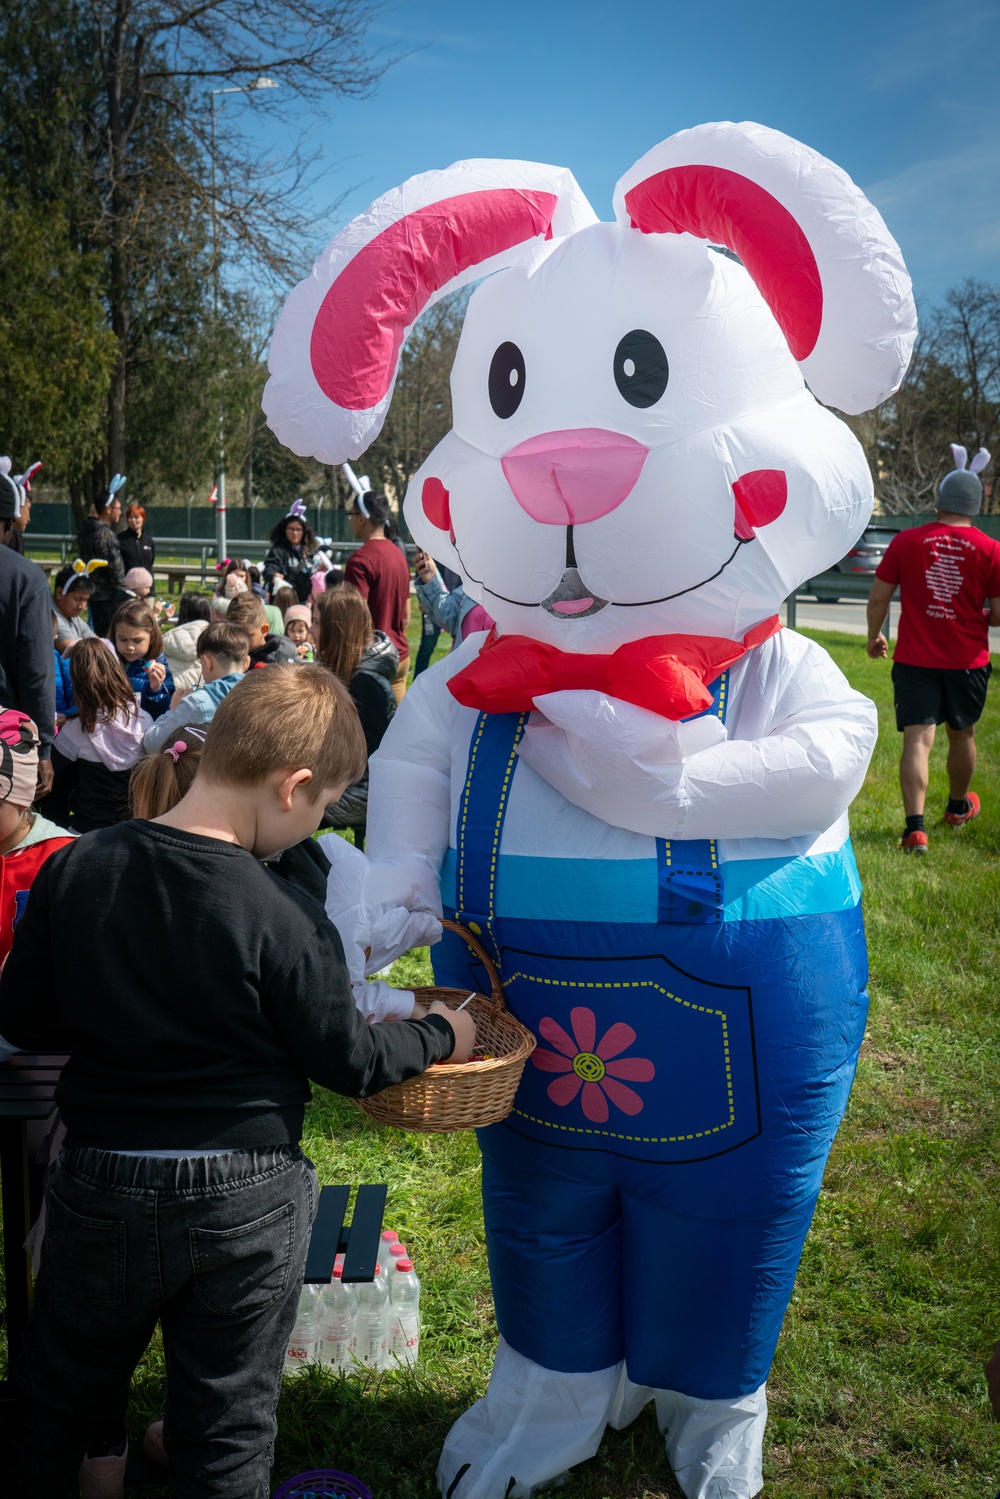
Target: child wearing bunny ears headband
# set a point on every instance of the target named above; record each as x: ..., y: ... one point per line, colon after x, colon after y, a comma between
x: 26, y: 838
x: 941, y: 663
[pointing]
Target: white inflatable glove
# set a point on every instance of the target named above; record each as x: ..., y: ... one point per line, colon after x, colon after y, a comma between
x: 794, y: 771
x: 618, y: 761
x: 372, y: 939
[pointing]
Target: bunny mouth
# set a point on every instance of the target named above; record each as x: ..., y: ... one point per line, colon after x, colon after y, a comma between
x: 571, y: 599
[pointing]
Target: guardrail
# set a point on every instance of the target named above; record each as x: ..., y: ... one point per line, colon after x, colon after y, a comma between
x: 827, y: 587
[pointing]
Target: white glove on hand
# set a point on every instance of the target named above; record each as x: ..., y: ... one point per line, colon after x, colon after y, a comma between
x: 387, y: 932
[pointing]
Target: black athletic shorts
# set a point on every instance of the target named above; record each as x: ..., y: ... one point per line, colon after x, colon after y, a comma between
x: 928, y: 694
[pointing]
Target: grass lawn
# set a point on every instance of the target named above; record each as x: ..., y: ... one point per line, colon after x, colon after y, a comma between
x: 877, y: 1387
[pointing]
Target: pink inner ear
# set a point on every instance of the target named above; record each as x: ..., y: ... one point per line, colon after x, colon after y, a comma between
x: 728, y: 209
x: 364, y: 317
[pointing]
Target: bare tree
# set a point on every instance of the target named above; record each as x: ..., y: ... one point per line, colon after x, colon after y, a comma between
x: 951, y: 393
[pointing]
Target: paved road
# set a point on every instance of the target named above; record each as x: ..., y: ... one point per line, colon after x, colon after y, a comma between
x: 851, y: 619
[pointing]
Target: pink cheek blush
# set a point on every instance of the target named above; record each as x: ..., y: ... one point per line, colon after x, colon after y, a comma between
x: 435, y: 500
x: 760, y: 498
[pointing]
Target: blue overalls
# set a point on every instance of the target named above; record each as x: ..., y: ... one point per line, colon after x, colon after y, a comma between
x: 649, y: 1195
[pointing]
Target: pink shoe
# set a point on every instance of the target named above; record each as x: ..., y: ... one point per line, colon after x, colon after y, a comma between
x: 152, y: 1444
x: 103, y: 1477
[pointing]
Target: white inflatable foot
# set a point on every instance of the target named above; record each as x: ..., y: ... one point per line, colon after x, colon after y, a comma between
x: 714, y: 1446
x: 529, y: 1428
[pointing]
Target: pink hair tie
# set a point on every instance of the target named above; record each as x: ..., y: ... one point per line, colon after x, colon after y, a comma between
x: 175, y: 750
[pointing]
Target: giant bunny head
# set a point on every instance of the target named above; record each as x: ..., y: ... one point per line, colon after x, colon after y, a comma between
x: 635, y: 450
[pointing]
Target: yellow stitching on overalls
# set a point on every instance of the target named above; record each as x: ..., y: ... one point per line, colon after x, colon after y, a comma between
x: 504, y: 791
x: 465, y: 812
x: 688, y: 1005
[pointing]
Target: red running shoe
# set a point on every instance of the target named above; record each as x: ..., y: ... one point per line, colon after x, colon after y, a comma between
x: 956, y: 819
x: 914, y: 843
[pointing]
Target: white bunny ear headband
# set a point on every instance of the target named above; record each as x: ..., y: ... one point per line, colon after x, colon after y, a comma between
x: 960, y: 455
x: 820, y: 255
x: 360, y: 486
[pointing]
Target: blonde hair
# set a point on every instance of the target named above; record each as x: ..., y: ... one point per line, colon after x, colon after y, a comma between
x: 159, y: 780
x: 247, y: 611
x: 100, y: 685
x: 286, y: 718
x: 345, y: 630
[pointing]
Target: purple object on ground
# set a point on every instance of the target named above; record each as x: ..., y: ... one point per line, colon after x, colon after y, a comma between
x: 323, y: 1483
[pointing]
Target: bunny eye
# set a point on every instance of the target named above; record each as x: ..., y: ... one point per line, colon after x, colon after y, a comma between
x: 641, y: 369
x: 506, y: 382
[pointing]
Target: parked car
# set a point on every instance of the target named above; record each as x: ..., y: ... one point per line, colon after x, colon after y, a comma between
x: 867, y: 552
x: 864, y: 557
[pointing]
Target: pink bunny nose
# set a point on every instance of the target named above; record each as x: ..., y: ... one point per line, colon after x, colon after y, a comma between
x: 567, y: 478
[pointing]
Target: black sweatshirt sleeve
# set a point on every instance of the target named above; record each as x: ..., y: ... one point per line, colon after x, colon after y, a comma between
x: 313, y: 1009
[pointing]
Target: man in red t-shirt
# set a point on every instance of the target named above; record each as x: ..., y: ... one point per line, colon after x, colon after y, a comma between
x: 948, y: 574
x: 381, y: 574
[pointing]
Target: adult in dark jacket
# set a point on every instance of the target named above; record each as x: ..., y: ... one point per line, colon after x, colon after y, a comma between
x: 137, y: 547
x: 96, y: 538
x: 27, y: 672
x: 289, y: 559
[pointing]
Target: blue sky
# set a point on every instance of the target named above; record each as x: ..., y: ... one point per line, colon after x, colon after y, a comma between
x: 901, y: 96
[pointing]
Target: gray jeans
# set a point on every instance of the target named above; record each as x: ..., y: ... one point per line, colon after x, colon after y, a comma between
x: 214, y: 1249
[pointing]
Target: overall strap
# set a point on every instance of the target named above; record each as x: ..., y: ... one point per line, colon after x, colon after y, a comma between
x: 481, y: 813
x: 688, y: 878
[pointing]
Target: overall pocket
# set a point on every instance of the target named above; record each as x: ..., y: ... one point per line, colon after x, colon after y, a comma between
x: 635, y: 1056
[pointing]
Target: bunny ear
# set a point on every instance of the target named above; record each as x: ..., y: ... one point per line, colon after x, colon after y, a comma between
x: 335, y: 349
x: 118, y: 482
x: 980, y: 461
x: 4, y: 465
x: 819, y: 253
x: 959, y: 454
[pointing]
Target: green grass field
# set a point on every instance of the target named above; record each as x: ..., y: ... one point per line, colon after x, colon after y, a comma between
x: 877, y: 1388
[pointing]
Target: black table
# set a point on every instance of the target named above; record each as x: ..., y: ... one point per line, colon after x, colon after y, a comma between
x: 27, y: 1092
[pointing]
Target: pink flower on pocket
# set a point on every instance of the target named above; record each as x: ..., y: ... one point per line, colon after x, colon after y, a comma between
x: 599, y: 1070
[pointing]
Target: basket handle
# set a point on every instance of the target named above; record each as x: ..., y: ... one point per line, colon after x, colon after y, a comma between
x: 499, y: 1001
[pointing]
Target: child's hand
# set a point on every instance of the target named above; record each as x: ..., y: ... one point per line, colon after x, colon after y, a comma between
x: 179, y: 694
x: 304, y: 651
x: 156, y: 672
x: 464, y: 1027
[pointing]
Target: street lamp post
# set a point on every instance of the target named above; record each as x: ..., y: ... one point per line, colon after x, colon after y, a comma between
x: 220, y: 480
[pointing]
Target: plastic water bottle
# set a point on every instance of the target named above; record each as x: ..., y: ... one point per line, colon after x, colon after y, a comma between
x: 336, y: 1324
x: 397, y: 1252
x: 301, y: 1347
x: 370, y: 1332
x: 404, y: 1314
x: 389, y: 1237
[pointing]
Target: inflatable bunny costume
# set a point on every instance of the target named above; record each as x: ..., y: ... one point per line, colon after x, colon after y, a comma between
x: 636, y: 789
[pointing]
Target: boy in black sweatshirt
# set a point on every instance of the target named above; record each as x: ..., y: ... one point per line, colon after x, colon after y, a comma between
x: 196, y: 993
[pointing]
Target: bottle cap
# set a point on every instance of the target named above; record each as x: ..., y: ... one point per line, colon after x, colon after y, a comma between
x: 404, y: 1265
x: 389, y: 1236
x: 338, y: 1271
x: 399, y: 1251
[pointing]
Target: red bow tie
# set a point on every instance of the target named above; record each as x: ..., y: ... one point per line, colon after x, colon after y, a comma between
x: 664, y: 673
